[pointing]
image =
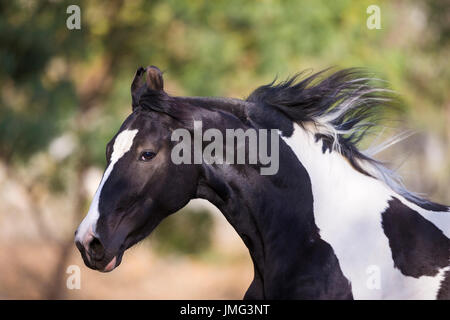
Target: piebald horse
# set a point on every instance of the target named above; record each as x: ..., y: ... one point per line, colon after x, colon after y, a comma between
x: 332, y: 223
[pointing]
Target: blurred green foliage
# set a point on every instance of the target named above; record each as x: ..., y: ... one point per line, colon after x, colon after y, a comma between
x: 56, y: 81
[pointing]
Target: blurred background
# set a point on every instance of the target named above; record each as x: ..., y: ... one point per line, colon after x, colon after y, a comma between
x: 64, y: 94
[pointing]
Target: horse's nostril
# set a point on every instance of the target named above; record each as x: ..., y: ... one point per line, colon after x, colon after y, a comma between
x: 96, y: 249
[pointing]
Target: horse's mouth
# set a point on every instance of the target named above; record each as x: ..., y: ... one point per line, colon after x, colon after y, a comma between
x: 106, y: 264
x: 115, y: 262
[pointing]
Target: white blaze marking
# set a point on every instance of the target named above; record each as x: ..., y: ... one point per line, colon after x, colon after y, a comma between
x: 347, y: 210
x: 122, y: 145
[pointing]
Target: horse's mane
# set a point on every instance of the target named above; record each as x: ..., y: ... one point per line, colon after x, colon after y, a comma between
x: 342, y: 107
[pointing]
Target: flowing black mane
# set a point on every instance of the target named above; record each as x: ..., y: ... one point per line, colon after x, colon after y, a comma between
x: 343, y: 107
x: 349, y: 99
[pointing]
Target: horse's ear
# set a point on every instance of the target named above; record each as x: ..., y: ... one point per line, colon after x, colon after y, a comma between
x: 149, y: 78
x: 137, y: 87
x: 154, y: 79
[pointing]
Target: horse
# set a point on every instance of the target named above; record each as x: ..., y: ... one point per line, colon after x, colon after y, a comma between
x: 331, y: 223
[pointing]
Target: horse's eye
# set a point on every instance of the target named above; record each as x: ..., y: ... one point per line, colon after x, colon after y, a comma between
x: 147, y: 156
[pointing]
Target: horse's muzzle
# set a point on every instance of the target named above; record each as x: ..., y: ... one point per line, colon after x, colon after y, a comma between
x: 94, y: 254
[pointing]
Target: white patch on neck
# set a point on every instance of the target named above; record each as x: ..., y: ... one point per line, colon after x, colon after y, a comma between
x: 122, y: 145
x: 347, y: 210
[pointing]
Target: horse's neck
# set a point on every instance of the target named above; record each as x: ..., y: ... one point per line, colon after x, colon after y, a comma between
x: 274, y: 217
